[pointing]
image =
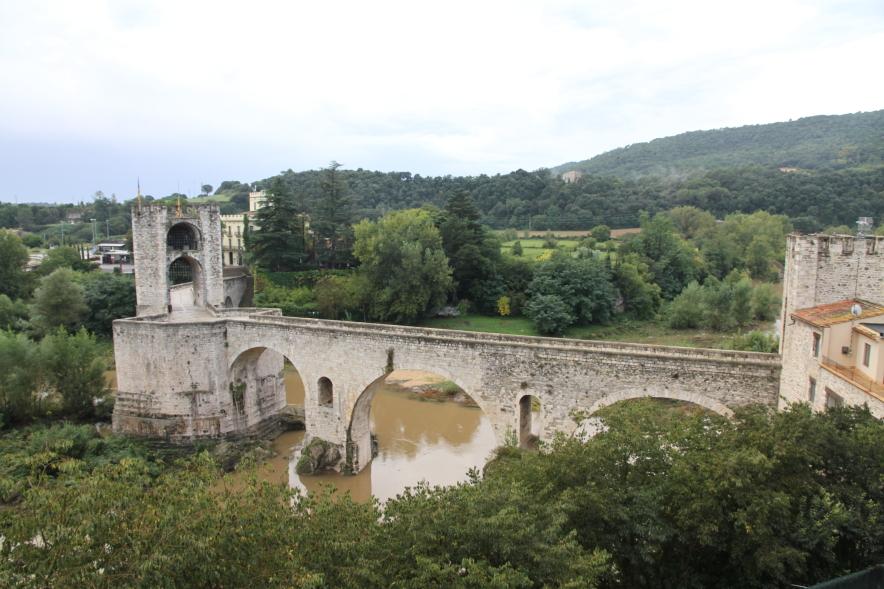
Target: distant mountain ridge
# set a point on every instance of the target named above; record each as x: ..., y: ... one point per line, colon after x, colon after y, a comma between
x: 817, y: 142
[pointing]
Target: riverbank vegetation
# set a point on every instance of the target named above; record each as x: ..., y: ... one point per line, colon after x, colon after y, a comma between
x: 659, y: 499
x: 55, y: 325
x: 682, y: 271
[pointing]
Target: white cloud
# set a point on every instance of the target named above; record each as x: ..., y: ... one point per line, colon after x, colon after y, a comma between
x: 199, y: 90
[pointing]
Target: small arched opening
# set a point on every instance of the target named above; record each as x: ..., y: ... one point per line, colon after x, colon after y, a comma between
x: 529, y: 421
x: 182, y: 237
x: 228, y: 303
x: 186, y: 283
x: 326, y: 392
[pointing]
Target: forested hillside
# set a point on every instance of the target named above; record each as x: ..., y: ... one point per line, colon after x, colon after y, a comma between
x: 813, y: 199
x: 819, y: 142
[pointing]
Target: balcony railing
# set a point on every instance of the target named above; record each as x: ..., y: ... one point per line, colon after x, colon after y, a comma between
x: 855, y: 376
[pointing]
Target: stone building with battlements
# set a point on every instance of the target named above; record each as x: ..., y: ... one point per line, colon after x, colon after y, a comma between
x: 832, y: 322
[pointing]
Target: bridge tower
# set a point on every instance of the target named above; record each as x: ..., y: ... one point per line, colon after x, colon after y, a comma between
x: 177, y: 257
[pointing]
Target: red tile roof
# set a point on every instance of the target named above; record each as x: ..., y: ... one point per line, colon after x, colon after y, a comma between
x: 834, y: 313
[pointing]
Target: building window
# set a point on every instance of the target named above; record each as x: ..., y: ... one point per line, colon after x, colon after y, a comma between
x: 867, y: 354
x: 816, y: 345
x: 811, y: 391
x: 833, y: 400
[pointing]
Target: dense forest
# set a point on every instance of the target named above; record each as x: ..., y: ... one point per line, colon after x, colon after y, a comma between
x: 819, y: 142
x: 819, y: 171
x: 813, y: 200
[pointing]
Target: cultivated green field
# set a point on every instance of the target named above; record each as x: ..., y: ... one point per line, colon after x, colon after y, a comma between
x: 533, y: 248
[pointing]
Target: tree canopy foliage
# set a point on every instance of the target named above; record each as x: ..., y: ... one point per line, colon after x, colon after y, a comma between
x: 403, y: 262
x: 660, y: 499
x: 279, y: 240
x: 836, y: 141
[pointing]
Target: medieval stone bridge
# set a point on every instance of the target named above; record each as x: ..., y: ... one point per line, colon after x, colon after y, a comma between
x: 193, y: 364
x: 220, y: 373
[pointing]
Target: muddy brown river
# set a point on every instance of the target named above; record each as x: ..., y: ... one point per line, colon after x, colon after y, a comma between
x: 418, y: 440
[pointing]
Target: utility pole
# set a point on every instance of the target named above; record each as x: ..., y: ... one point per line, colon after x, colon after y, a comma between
x: 93, y: 231
x: 62, y: 233
x: 107, y: 227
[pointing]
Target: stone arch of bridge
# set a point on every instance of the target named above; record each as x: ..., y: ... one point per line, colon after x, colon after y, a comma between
x: 321, y: 419
x: 694, y: 398
x: 359, y: 418
x: 256, y: 385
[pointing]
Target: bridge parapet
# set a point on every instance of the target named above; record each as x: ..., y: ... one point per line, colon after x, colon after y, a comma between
x: 602, y: 346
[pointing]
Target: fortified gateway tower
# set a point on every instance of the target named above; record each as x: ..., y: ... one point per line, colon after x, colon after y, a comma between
x: 177, y: 245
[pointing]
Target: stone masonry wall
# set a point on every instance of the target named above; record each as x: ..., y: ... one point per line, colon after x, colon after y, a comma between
x: 150, y: 226
x: 822, y: 269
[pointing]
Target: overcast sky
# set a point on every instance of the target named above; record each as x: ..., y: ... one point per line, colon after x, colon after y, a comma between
x: 180, y: 93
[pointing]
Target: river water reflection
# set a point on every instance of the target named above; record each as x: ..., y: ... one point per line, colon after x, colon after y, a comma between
x: 418, y: 439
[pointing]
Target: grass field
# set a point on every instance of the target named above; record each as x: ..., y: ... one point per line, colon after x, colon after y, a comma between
x: 533, y: 248
x: 624, y: 330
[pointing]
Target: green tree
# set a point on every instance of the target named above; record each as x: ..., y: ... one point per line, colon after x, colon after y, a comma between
x: 473, y: 252
x: 278, y: 242
x: 719, y: 297
x: 551, y: 315
x: 207, y: 189
x: 583, y: 284
x: 63, y: 257
x: 517, y: 248
x: 334, y: 214
x: 59, y: 301
x: 601, y: 233
x: 741, y: 307
x: 13, y: 314
x: 14, y: 281
x: 691, y: 222
x: 107, y: 297
x: 19, y: 379
x: 765, y: 302
x: 671, y: 259
x: 404, y: 265
x: 688, y: 309
x: 641, y: 297
x: 337, y: 296
x: 74, y: 367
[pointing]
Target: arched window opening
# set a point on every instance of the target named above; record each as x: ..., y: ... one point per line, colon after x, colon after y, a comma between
x: 180, y: 271
x: 182, y: 236
x: 326, y: 395
x: 529, y: 423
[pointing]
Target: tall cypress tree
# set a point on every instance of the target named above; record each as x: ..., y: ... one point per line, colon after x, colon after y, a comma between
x: 278, y: 240
x: 332, y: 223
x: 472, y: 251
